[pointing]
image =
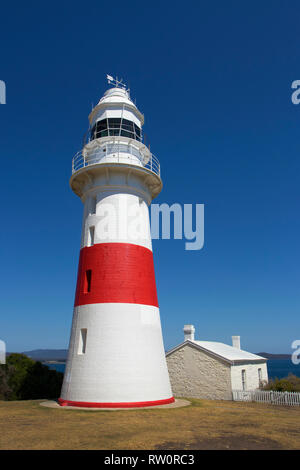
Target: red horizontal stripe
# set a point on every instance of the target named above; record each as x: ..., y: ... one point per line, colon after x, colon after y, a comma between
x: 116, y: 273
x: 137, y: 404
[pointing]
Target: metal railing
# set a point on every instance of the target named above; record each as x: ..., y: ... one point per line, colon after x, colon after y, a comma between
x: 112, y: 152
x: 268, y: 396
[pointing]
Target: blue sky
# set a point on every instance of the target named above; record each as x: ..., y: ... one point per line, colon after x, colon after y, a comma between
x: 214, y: 82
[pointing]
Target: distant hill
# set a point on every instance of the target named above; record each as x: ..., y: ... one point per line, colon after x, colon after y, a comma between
x: 47, y: 354
x: 60, y: 355
x: 274, y: 356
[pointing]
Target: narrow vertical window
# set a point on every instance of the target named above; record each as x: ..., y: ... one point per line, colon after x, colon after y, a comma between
x: 87, y: 281
x: 259, y: 376
x: 82, y: 341
x: 244, y: 379
x: 93, y: 205
x: 91, y: 236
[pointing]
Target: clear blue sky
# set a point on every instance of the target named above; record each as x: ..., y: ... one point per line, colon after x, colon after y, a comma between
x: 214, y: 82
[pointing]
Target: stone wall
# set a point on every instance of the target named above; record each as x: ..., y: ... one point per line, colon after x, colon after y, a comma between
x: 196, y: 374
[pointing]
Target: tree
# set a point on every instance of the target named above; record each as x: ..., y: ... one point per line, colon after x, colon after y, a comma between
x: 19, y: 365
x: 21, y: 378
x: 6, y: 392
x: 41, y: 382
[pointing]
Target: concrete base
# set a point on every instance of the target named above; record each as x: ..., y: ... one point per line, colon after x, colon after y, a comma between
x: 179, y: 403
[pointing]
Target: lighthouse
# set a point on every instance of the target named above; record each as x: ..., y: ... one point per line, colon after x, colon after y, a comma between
x: 116, y: 354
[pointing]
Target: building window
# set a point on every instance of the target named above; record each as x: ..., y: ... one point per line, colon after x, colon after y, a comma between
x: 244, y: 386
x: 82, y: 341
x: 259, y: 376
x: 91, y: 236
x: 87, y: 281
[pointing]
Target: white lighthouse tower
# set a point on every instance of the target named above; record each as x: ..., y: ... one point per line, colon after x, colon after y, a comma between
x: 116, y: 354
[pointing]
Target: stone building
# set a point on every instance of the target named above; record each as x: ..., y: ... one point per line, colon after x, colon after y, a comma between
x: 208, y: 369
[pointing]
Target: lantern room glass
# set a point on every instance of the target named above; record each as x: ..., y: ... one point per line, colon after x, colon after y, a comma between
x: 116, y: 127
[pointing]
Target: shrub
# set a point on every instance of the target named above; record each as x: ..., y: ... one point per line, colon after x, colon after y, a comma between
x: 17, y: 367
x: 21, y: 378
x: 291, y: 383
x: 41, y: 382
x: 6, y: 392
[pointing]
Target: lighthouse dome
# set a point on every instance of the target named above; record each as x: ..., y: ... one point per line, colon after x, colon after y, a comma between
x: 116, y: 103
x: 116, y: 95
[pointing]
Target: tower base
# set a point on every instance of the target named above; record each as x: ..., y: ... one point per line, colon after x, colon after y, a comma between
x: 139, y: 404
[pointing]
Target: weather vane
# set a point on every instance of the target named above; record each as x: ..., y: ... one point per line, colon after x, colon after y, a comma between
x: 116, y: 82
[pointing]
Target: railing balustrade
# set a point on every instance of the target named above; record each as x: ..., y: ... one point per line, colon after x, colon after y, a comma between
x: 122, y: 153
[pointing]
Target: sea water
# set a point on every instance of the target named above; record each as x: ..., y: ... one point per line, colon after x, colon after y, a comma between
x: 276, y: 368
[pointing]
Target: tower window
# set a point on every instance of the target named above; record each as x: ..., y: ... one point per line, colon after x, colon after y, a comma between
x: 114, y: 123
x: 259, y: 375
x: 82, y: 341
x: 87, y: 281
x: 116, y: 126
x: 137, y: 132
x: 92, y: 205
x: 91, y: 236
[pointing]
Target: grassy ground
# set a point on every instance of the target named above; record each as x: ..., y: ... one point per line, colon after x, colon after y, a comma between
x: 203, y: 425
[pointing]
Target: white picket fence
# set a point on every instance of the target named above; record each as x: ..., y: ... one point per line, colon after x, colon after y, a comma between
x: 268, y: 396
